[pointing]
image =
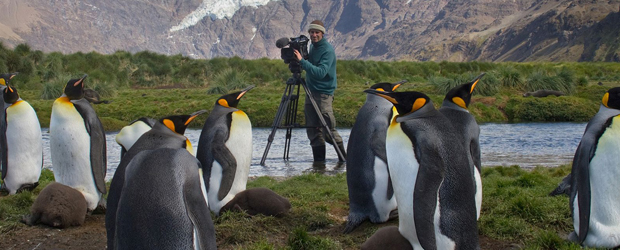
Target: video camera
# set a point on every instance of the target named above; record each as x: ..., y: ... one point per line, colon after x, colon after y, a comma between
x: 287, y: 46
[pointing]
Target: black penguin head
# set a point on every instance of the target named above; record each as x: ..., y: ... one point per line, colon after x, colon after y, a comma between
x: 386, y: 86
x: 178, y: 123
x: 74, y: 89
x: 461, y: 95
x: 6, y: 78
x: 10, y: 94
x: 232, y: 100
x: 611, y: 99
x: 404, y: 102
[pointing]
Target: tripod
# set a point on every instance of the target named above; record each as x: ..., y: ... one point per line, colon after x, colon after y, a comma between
x: 288, y: 111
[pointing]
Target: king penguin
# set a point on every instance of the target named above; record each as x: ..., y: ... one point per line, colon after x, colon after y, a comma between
x: 77, y: 144
x: 430, y: 175
x: 22, y: 144
x: 165, y: 133
x: 161, y: 205
x: 371, y: 195
x: 594, y: 199
x: 454, y: 107
x: 225, y: 150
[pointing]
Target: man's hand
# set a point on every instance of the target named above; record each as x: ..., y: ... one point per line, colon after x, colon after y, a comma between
x: 297, y: 54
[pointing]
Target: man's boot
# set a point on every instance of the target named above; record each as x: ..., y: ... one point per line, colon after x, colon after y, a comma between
x: 318, y: 152
x: 344, y: 154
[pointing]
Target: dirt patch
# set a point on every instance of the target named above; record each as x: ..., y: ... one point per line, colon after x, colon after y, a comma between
x: 91, y: 235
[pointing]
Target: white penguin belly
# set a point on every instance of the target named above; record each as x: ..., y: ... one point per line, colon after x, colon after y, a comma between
x: 604, y: 230
x: 240, y: 146
x: 70, y: 152
x: 379, y: 195
x: 24, y: 146
x: 478, y: 180
x: 404, y: 170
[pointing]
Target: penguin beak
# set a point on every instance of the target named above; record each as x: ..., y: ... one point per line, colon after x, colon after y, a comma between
x: 194, y: 115
x: 397, y: 84
x: 13, y: 75
x: 475, y: 82
x: 244, y: 91
x: 382, y: 94
x: 81, y: 81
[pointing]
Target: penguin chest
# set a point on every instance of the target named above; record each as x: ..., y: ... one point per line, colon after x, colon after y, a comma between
x: 604, y: 201
x: 69, y: 145
x: 240, y: 145
x: 24, y: 145
x: 404, y: 168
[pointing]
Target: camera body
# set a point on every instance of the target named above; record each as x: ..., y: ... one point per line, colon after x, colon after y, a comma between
x: 286, y: 51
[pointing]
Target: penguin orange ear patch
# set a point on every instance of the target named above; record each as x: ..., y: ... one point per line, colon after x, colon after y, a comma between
x: 459, y: 101
x: 170, y: 124
x: 419, y: 103
x: 2, y: 81
x: 223, y: 102
x: 606, y: 99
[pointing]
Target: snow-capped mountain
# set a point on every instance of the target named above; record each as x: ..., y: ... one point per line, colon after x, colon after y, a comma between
x: 418, y: 30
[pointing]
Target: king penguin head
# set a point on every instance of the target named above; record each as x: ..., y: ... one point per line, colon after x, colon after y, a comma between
x: 178, y: 123
x: 611, y: 99
x: 74, y: 89
x: 461, y: 95
x: 6, y: 78
x: 404, y: 102
x: 386, y: 86
x: 10, y: 94
x: 232, y: 100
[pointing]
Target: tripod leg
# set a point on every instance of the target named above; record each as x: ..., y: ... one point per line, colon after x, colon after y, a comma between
x: 323, y: 123
x: 284, y: 103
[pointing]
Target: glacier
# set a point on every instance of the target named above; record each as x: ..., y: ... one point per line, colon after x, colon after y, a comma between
x: 216, y: 9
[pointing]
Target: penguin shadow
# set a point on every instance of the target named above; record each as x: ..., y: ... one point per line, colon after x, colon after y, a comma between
x: 258, y: 200
x: 57, y: 206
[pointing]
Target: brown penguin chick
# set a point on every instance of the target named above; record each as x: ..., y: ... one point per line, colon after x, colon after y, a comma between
x: 387, y: 238
x: 259, y: 201
x: 57, y: 206
x: 92, y: 96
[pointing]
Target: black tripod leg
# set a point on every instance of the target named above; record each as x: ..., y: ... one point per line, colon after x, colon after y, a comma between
x: 284, y: 104
x: 291, y: 120
x: 323, y: 123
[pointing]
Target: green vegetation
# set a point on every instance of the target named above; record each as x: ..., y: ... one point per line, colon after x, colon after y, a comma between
x: 149, y: 84
x: 516, y: 210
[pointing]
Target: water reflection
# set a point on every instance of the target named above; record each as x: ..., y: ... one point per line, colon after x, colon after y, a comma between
x: 524, y: 144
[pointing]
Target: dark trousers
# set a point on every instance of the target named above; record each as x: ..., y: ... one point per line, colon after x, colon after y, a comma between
x: 315, y: 132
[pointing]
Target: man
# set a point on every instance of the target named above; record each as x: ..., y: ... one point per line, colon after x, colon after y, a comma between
x: 321, y: 81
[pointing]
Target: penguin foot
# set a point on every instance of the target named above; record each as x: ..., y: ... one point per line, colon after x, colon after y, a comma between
x: 3, y: 190
x: 352, y: 224
x: 101, y: 208
x: 393, y: 214
x: 27, y: 187
x: 573, y: 237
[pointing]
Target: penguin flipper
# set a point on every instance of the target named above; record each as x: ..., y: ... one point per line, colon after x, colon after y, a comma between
x: 97, y: 142
x: 198, y: 210
x: 564, y: 187
x: 378, y: 149
x: 226, y: 159
x: 4, y: 164
x: 427, y: 189
x: 580, y: 185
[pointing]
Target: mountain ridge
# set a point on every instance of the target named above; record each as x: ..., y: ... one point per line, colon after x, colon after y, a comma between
x: 412, y: 30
